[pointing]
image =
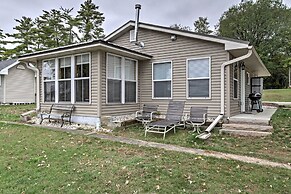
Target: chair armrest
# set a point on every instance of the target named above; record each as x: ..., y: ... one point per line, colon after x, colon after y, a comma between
x: 137, y: 113
x: 152, y: 113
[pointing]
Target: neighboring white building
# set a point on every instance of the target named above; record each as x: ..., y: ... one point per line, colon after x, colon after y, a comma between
x: 17, y: 83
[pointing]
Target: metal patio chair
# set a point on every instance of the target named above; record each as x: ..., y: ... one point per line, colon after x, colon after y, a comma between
x: 146, y: 114
x: 173, y: 119
x: 197, y: 118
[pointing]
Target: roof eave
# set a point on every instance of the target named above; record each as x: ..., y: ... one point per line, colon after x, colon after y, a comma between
x: 229, y: 43
x: 99, y: 44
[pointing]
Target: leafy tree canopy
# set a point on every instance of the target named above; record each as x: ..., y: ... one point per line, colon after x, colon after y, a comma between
x: 90, y: 21
x: 265, y: 24
x: 54, y: 28
x: 202, y: 26
x: 181, y: 27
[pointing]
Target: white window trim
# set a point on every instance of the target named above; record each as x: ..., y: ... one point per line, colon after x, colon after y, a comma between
x: 248, y: 78
x: 187, y: 79
x: 131, y: 36
x: 235, y: 79
x: 67, y: 79
x: 153, y: 91
x: 72, y: 79
x: 122, y: 79
x: 43, y: 81
x: 82, y: 78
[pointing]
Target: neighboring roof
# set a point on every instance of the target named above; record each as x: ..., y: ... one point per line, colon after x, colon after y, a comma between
x: 82, y: 46
x: 6, y: 65
x: 229, y: 43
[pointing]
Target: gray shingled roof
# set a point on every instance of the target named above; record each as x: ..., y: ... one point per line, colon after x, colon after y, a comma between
x: 6, y: 63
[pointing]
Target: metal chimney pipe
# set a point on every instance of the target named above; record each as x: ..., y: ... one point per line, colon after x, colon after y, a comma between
x: 137, y: 8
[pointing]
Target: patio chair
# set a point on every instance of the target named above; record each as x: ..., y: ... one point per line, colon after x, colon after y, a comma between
x: 173, y: 119
x: 197, y: 118
x: 146, y: 114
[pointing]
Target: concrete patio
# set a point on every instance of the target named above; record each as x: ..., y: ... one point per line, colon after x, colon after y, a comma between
x: 254, y: 117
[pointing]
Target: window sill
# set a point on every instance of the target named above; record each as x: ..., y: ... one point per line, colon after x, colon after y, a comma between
x: 170, y: 98
x: 116, y: 103
x: 199, y: 98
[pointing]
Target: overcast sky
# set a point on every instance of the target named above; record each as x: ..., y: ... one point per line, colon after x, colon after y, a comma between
x: 118, y: 12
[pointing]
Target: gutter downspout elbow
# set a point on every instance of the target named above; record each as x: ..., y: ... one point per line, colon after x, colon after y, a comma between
x: 33, y: 68
x: 222, y: 85
x: 207, y: 133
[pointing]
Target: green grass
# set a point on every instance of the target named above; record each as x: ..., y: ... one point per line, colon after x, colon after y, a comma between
x: 13, y: 112
x: 276, y: 147
x: 277, y: 95
x: 38, y: 160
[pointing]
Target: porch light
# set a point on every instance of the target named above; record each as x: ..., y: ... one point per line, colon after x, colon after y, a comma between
x: 173, y: 37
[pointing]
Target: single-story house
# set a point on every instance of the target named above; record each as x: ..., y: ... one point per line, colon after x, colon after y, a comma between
x: 119, y: 74
x: 17, y: 82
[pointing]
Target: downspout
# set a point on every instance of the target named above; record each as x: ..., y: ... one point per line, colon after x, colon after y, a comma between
x: 207, y: 133
x: 33, y: 68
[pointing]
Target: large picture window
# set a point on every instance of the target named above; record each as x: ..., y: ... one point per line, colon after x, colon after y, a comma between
x: 48, y: 72
x: 82, y: 78
x: 162, y: 80
x: 235, y: 81
x: 198, y: 78
x: 121, y: 79
x: 67, y: 79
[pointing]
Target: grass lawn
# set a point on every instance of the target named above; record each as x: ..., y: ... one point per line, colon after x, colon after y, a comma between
x: 12, y: 112
x: 276, y: 147
x: 277, y: 95
x: 38, y: 160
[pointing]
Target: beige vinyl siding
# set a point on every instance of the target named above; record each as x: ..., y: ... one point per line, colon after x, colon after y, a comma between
x: 1, y: 88
x: 81, y: 109
x: 20, y: 85
x: 162, y: 48
x: 109, y: 109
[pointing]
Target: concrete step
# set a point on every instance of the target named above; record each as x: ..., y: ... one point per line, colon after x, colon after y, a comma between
x: 252, y: 121
x: 237, y: 132
x: 248, y: 127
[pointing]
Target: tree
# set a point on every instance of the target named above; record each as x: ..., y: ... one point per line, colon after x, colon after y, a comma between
x: 202, y: 26
x: 71, y: 22
x: 23, y: 36
x: 181, y: 27
x: 91, y: 21
x: 2, y: 44
x: 265, y: 24
x: 52, y: 26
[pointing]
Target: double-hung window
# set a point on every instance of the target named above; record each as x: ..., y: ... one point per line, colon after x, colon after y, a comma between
x: 82, y: 78
x: 121, y: 79
x: 130, y: 80
x: 198, y: 78
x: 65, y: 79
x: 235, y: 81
x: 48, y: 71
x: 162, y: 80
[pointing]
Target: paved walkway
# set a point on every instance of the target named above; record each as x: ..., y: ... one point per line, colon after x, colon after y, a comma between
x: 169, y: 147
